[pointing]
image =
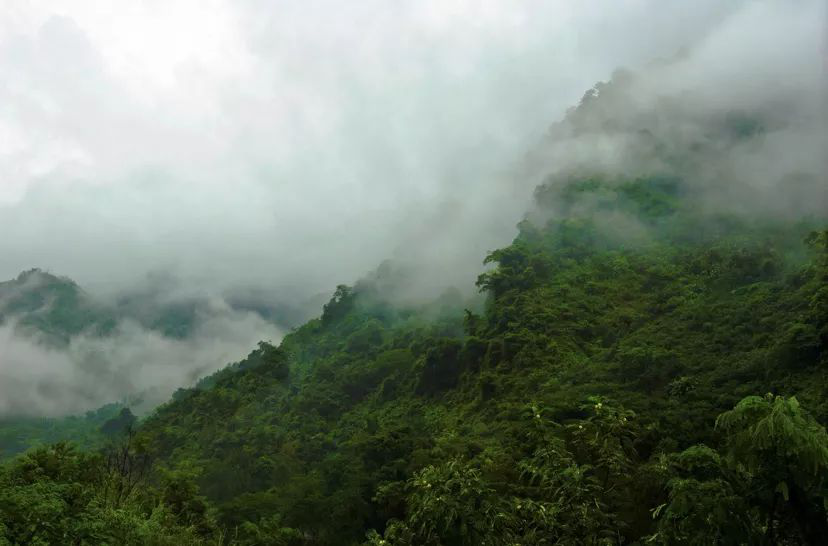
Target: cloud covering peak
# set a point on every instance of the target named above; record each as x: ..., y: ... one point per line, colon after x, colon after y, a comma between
x: 290, y: 146
x: 255, y: 154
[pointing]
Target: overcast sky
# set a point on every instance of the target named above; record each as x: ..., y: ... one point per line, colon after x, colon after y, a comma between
x: 285, y: 147
x: 291, y: 144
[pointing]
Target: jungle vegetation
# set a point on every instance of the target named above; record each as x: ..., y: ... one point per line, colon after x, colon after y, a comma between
x: 642, y: 370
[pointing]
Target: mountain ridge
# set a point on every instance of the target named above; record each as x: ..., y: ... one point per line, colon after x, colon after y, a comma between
x: 647, y: 366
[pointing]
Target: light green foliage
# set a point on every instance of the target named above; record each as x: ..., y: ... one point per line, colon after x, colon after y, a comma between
x: 56, y: 495
x: 569, y: 492
x: 607, y: 437
x: 451, y: 504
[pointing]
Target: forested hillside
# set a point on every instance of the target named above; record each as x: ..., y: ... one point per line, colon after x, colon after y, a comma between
x: 572, y: 407
x: 51, y: 308
x: 70, y: 357
x: 647, y: 366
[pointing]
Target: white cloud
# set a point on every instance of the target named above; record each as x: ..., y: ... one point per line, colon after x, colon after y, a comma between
x: 286, y: 143
x: 290, y: 146
x: 135, y: 365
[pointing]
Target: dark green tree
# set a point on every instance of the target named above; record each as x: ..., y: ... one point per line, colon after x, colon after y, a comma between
x: 785, y: 452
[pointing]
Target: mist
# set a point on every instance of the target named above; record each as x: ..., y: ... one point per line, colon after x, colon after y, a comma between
x: 293, y: 148
x: 268, y: 151
x: 136, y: 366
x: 741, y: 118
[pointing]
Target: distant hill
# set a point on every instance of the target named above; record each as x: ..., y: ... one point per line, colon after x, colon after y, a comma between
x: 84, y: 341
x: 52, y: 308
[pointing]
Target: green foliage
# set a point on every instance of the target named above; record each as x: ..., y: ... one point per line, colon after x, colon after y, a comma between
x: 53, y: 495
x: 705, y: 504
x: 120, y: 425
x: 441, y: 367
x: 785, y: 453
x: 769, y: 487
x: 769, y: 431
x: 628, y: 349
x: 450, y: 504
x: 22, y: 433
x: 341, y: 302
x: 51, y: 308
x: 573, y: 407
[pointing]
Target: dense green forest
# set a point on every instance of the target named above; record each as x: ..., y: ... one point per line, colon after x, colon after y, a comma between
x: 17, y: 434
x: 641, y: 369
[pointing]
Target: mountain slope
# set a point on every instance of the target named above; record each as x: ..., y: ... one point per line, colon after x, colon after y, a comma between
x: 51, y: 308
x: 648, y: 366
x: 642, y: 280
x: 677, y: 330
